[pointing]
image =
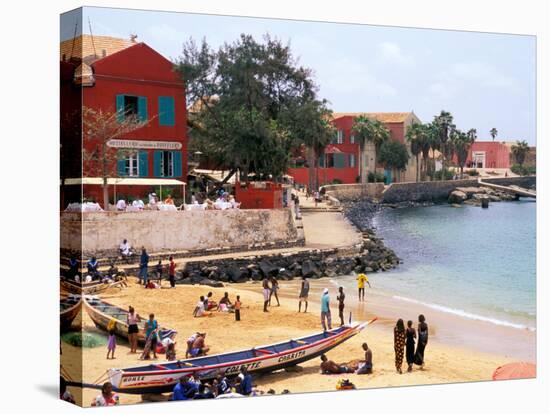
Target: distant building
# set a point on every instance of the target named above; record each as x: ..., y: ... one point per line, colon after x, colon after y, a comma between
x: 489, y: 154
x: 122, y: 76
x: 340, y: 160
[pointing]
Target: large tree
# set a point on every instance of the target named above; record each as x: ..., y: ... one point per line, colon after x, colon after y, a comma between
x: 394, y: 155
x: 99, y: 127
x: 369, y: 130
x: 493, y: 133
x: 417, y: 136
x: 520, y: 150
x: 445, y: 126
x: 461, y: 143
x: 253, y: 104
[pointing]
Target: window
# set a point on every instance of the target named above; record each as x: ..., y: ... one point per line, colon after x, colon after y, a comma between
x: 167, y: 164
x: 166, y: 111
x: 339, y: 160
x: 131, y: 106
x: 340, y: 137
x: 132, y: 164
x: 352, y: 139
x: 352, y: 160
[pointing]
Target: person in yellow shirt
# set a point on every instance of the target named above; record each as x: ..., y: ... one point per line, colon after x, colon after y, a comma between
x: 361, y: 280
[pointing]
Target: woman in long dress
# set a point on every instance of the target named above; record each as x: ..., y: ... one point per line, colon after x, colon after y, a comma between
x: 409, y: 345
x: 422, y: 341
x: 399, y: 344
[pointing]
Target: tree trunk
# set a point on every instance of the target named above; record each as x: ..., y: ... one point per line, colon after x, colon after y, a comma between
x: 362, y: 177
x: 106, y: 194
x: 221, y: 183
x: 416, y: 167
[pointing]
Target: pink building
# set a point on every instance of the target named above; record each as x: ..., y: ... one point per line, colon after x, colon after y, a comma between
x: 489, y: 154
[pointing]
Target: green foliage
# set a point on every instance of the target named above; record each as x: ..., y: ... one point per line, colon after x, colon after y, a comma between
x: 473, y: 173
x: 520, y: 150
x: 375, y: 177
x: 443, y: 174
x: 251, y: 105
x: 337, y: 181
x: 394, y: 155
x: 82, y: 339
x: 523, y: 170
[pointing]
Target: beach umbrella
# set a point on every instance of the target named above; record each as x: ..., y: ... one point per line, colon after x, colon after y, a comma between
x: 515, y: 370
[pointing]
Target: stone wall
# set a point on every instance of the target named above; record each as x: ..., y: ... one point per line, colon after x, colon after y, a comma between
x: 101, y: 233
x: 345, y: 192
x: 439, y: 190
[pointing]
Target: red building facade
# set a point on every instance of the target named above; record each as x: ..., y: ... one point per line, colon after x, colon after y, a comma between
x: 134, y: 80
x: 489, y: 154
x: 340, y: 160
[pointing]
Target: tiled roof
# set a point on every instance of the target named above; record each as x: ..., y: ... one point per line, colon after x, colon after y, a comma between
x: 86, y: 47
x: 387, y: 117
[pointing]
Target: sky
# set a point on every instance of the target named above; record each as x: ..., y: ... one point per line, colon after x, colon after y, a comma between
x: 485, y: 80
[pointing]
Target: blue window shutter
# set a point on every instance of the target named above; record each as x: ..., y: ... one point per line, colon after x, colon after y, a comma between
x: 121, y: 167
x: 177, y: 163
x: 339, y: 161
x: 166, y: 111
x: 120, y: 108
x: 156, y: 163
x: 142, y: 108
x: 143, y: 164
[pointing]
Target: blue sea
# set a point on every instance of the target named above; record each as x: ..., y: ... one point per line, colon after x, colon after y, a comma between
x: 473, y: 262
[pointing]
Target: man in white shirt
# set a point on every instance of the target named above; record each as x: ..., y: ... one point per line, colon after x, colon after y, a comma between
x: 138, y: 203
x: 121, y: 205
x: 125, y: 249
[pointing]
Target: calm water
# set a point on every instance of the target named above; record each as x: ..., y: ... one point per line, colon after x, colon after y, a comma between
x: 474, y: 262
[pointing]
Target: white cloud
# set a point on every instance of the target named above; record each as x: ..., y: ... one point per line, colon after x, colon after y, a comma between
x: 390, y: 52
x: 484, y: 74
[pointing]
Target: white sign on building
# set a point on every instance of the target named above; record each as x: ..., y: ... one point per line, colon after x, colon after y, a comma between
x: 138, y: 144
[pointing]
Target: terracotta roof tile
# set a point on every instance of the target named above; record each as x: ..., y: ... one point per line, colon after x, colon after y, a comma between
x: 83, y: 48
x: 386, y: 117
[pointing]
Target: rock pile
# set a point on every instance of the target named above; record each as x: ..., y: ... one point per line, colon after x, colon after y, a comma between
x: 477, y: 195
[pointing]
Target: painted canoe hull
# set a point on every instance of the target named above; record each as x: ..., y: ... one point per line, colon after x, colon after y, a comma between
x: 162, y: 380
x: 102, y: 319
x: 69, y: 314
x: 89, y: 288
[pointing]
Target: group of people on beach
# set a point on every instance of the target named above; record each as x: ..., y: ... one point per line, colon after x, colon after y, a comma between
x: 404, y: 340
x: 190, y: 387
x: 207, y: 305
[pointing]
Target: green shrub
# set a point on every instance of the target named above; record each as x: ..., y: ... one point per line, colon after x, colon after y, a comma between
x: 337, y: 181
x: 523, y: 170
x: 375, y: 177
x: 473, y: 173
x: 446, y: 174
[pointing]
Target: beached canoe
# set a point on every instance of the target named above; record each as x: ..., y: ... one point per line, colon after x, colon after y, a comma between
x: 102, y: 313
x: 162, y: 377
x: 69, y: 309
x: 90, y: 288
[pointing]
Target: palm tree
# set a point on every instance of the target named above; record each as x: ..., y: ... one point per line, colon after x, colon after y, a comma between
x: 493, y: 133
x: 520, y: 150
x: 461, y: 143
x: 432, y: 144
x: 417, y: 137
x: 444, y: 122
x: 368, y: 130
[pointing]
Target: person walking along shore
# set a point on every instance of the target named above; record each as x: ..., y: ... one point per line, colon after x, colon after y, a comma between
x: 422, y: 341
x: 340, y: 298
x: 304, y: 293
x: 409, y: 345
x: 325, y: 311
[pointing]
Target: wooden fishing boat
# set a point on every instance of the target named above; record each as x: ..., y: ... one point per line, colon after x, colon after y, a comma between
x: 102, y: 313
x: 162, y: 377
x: 90, y: 288
x: 69, y: 309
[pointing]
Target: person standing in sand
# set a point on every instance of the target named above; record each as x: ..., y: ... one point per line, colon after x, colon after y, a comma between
x: 409, y: 345
x: 422, y: 341
x: 132, y: 319
x: 274, y: 289
x: 340, y: 298
x: 361, y: 280
x: 267, y: 292
x: 143, y: 264
x: 399, y: 344
x: 304, y: 292
x: 325, y: 310
x: 172, y: 272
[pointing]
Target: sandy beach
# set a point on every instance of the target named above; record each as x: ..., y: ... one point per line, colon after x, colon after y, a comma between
x: 173, y: 308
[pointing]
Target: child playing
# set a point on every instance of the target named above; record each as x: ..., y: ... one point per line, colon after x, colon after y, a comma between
x: 237, y: 308
x: 111, y: 344
x: 171, y: 352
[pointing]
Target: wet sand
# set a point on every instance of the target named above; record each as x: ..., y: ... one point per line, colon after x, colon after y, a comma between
x: 445, y: 363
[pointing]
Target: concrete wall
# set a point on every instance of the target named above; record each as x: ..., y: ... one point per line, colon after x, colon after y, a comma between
x: 351, y: 191
x: 177, y: 231
x: 439, y: 190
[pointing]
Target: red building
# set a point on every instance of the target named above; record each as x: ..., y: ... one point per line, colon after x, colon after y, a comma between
x: 129, y: 79
x: 489, y: 154
x: 340, y: 160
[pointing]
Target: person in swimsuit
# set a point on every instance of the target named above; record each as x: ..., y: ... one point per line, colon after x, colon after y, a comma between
x: 199, y: 346
x: 274, y: 289
x: 399, y: 344
x: 365, y: 367
x: 340, y: 298
x: 409, y: 345
x: 132, y: 320
x: 331, y: 367
x: 304, y: 292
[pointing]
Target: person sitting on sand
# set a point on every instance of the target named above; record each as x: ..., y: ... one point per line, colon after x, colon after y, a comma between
x: 169, y: 200
x: 190, y: 341
x: 204, y: 392
x: 171, y: 352
x: 222, y: 385
x: 245, y: 386
x: 92, y: 266
x: 365, y: 367
x: 182, y: 389
x: 200, y: 309
x: 199, y: 347
x: 107, y: 397
x: 209, y: 302
x: 225, y: 303
x: 331, y: 367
